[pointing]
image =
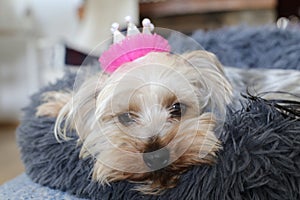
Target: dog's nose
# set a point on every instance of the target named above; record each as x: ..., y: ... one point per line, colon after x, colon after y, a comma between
x: 157, y: 159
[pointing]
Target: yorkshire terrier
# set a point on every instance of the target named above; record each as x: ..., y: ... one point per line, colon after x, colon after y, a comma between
x: 155, y: 117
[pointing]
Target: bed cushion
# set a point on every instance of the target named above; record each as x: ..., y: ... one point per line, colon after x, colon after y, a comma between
x: 261, y: 145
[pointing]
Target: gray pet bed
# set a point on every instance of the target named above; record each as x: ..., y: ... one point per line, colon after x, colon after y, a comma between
x: 261, y: 155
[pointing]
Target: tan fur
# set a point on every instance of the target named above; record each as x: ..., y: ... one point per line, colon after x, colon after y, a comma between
x: 53, y: 102
x: 147, y: 88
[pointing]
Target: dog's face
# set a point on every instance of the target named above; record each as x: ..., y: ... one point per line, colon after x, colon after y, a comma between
x: 154, y: 118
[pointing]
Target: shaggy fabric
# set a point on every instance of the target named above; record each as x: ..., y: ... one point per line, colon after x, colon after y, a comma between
x: 22, y: 188
x: 259, y: 47
x: 261, y: 155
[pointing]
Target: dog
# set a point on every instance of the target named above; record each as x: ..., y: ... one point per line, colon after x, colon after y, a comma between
x: 156, y: 117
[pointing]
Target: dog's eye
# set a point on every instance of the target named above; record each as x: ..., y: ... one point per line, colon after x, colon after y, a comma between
x: 177, y: 110
x: 126, y: 119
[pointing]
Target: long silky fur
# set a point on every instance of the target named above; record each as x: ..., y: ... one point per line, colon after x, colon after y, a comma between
x: 89, y: 113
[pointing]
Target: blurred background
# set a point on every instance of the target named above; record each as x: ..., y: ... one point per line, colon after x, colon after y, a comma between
x: 39, y: 39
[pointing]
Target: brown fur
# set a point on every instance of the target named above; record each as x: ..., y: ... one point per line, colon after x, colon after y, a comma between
x: 53, y: 102
x: 147, y: 88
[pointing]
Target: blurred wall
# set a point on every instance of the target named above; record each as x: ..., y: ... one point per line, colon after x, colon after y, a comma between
x: 30, y: 31
x: 33, y: 35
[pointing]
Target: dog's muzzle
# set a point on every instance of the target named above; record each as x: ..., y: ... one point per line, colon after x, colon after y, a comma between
x: 157, y: 159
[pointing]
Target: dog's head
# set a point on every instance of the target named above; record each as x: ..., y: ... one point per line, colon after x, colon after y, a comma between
x: 152, y: 119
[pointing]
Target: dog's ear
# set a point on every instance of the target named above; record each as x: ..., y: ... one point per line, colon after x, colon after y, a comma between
x: 78, y: 113
x: 204, y: 59
x: 208, y: 76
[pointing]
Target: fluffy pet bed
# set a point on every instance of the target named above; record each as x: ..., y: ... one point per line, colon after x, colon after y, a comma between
x: 261, y: 155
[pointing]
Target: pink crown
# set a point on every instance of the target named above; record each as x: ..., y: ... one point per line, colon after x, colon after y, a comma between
x: 133, y: 46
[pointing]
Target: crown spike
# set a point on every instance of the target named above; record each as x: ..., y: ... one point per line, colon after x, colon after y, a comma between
x: 131, y: 27
x: 151, y: 27
x: 128, y: 19
x: 117, y: 35
x: 147, y: 26
x: 114, y: 27
x: 128, y: 49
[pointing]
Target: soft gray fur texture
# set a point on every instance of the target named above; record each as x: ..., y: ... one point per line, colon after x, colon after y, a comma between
x: 242, y: 47
x: 261, y: 146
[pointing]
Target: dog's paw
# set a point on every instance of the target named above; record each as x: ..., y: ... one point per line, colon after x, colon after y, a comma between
x: 53, y: 102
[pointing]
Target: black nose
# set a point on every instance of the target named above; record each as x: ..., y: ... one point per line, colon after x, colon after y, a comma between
x: 157, y: 159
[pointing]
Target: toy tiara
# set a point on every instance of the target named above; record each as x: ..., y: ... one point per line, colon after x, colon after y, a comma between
x: 133, y: 46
